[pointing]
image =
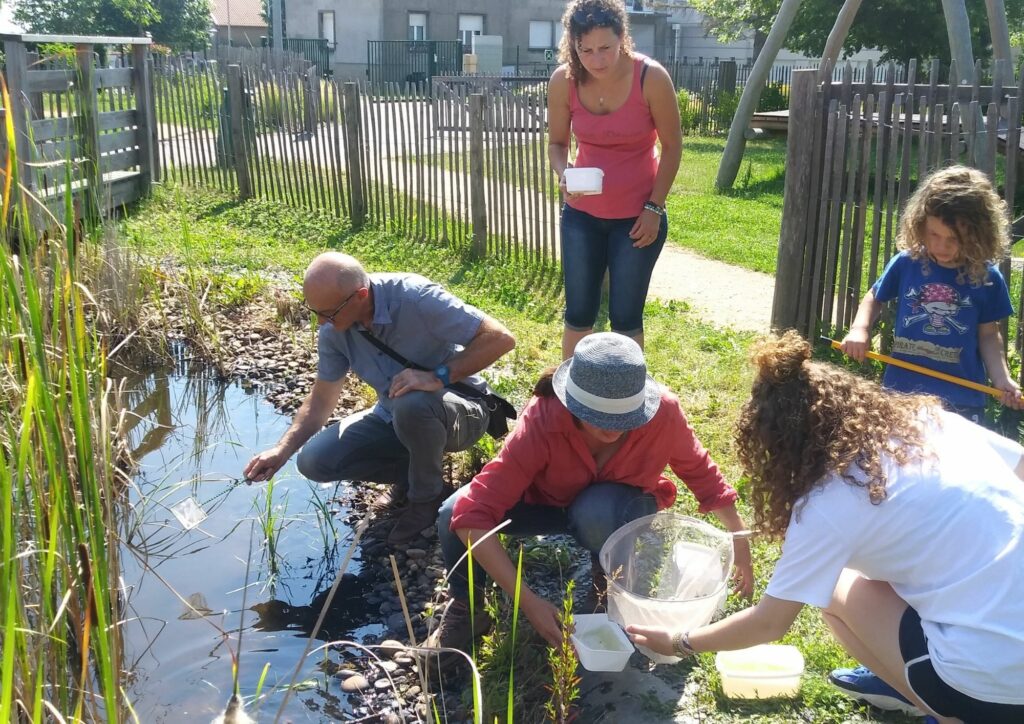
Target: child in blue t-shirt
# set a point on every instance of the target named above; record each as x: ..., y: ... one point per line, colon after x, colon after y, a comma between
x: 949, y: 294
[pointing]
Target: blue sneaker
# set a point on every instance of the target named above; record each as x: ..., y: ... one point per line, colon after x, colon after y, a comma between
x: 862, y: 684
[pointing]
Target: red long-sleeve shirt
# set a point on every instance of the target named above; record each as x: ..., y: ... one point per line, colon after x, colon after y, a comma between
x: 545, y: 461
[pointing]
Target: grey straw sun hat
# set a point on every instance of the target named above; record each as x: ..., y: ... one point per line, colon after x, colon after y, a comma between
x: 605, y: 383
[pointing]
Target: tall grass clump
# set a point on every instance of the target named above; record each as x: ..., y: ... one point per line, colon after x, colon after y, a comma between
x: 60, y: 639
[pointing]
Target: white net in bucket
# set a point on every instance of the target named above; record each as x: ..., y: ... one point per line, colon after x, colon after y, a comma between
x: 666, y: 570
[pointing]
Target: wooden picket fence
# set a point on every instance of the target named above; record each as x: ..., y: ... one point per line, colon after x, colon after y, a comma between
x: 446, y: 163
x: 856, y: 151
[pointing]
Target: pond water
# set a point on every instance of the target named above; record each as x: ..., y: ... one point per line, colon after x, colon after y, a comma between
x: 192, y: 437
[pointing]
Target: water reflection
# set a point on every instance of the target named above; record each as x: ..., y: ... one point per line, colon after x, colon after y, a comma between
x: 184, y: 589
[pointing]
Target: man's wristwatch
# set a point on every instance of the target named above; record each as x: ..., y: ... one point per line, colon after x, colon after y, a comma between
x: 442, y: 373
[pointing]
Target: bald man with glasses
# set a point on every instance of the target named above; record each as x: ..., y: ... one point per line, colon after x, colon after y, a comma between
x: 403, y: 438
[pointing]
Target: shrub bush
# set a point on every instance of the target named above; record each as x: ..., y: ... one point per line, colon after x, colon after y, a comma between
x: 687, y: 110
x: 774, y: 97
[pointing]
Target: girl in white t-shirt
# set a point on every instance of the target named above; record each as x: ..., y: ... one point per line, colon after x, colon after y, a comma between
x: 902, y: 522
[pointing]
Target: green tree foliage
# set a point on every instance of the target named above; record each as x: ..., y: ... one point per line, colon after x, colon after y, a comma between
x: 902, y: 29
x: 177, y: 23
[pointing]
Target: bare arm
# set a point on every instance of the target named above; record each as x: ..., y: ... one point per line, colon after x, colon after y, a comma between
x: 491, y: 341
x: 309, y: 419
x: 559, y: 127
x: 990, y: 345
x: 858, y: 340
x: 491, y: 555
x: 767, y: 621
x: 661, y: 98
x: 743, y: 575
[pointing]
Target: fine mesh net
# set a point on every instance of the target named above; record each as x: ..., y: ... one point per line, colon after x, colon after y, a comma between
x: 666, y: 570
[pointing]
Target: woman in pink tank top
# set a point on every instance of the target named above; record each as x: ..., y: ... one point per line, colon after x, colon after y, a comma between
x: 618, y: 105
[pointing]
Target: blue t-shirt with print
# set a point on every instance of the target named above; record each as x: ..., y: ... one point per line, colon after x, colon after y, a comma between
x: 937, y: 320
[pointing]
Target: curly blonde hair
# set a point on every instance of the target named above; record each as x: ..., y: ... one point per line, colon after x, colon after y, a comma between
x: 965, y: 201
x: 805, y: 420
x: 582, y: 16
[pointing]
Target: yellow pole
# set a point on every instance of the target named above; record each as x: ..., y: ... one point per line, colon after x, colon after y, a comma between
x: 924, y: 370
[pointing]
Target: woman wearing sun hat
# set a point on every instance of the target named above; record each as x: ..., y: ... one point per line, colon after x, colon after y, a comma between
x: 587, y: 456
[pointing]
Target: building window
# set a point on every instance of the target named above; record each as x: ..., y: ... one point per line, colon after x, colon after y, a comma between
x: 470, y: 25
x: 417, y: 26
x: 327, y: 26
x: 541, y: 34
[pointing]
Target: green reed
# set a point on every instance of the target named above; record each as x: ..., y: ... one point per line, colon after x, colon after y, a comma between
x: 59, y: 481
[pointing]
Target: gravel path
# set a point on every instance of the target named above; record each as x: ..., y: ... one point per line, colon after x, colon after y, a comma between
x: 720, y: 293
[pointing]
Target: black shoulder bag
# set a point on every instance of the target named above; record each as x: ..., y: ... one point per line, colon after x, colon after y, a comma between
x: 500, y: 409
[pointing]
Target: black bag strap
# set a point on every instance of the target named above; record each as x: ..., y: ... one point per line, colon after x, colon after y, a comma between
x: 461, y: 387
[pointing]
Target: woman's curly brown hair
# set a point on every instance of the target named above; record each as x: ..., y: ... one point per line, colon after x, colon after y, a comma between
x: 582, y: 16
x: 805, y: 420
x: 965, y: 201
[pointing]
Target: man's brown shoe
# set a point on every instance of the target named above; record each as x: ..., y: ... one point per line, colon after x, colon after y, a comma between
x: 390, y: 500
x: 413, y: 519
x: 457, y: 630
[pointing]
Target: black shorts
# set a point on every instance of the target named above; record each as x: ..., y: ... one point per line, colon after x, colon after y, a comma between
x: 936, y: 693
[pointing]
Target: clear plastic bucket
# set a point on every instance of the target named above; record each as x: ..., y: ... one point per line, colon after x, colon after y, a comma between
x: 666, y: 570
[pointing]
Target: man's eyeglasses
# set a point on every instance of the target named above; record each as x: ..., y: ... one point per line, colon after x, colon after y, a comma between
x: 330, y: 317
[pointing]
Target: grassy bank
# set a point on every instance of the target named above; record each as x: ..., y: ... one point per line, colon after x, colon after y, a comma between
x: 739, y: 226
x: 258, y: 241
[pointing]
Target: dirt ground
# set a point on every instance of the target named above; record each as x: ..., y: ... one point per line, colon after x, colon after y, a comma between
x: 722, y: 294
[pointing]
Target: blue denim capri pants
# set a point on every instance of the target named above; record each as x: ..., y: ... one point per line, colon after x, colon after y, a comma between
x: 590, y: 246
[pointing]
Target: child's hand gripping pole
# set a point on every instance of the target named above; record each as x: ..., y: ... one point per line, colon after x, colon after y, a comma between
x: 923, y: 370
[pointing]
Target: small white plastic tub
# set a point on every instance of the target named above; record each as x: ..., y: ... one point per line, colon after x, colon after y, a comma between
x: 586, y: 181
x: 600, y: 643
x: 760, y: 672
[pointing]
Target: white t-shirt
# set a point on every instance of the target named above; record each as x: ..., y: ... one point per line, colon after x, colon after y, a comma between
x: 949, y: 538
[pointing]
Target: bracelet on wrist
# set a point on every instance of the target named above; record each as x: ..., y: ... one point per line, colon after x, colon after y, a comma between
x: 651, y: 206
x: 681, y: 644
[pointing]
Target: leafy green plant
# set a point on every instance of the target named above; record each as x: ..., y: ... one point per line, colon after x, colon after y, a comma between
x: 687, y: 110
x: 565, y: 684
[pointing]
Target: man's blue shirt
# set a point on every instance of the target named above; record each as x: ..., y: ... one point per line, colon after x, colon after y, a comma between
x: 415, y: 317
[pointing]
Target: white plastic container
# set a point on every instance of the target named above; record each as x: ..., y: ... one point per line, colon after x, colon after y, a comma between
x: 600, y: 643
x: 666, y: 570
x: 760, y: 672
x: 586, y: 181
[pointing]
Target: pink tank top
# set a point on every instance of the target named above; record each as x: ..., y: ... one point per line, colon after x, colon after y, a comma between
x: 620, y: 143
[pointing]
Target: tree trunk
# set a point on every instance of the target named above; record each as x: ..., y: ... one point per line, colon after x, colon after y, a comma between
x: 1000, y: 37
x: 836, y: 38
x: 737, y: 141
x: 959, y: 29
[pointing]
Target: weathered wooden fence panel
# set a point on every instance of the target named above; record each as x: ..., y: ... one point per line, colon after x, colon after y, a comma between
x: 856, y: 152
x: 73, y: 118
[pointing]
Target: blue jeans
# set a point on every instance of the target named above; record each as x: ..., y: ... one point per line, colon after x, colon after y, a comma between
x: 407, y: 452
x: 601, y: 509
x: 590, y: 246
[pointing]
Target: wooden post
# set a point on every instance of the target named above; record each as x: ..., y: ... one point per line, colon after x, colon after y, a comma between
x: 241, y: 159
x: 792, y: 241
x: 144, y: 115
x: 89, y: 132
x: 311, y: 90
x: 154, y: 129
x: 477, y: 202
x: 353, y: 166
x: 17, y: 84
